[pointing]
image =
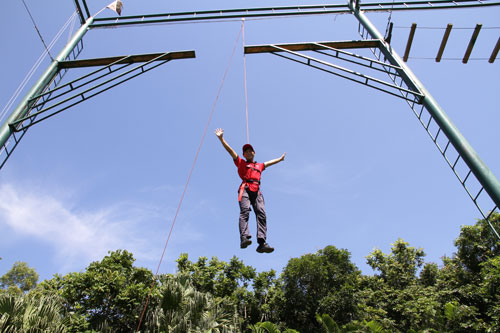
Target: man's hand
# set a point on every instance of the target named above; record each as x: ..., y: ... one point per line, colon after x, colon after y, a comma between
x: 219, y: 132
x: 282, y: 158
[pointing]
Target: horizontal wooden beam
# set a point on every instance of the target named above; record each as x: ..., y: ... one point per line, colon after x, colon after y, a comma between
x: 352, y: 44
x: 127, y: 59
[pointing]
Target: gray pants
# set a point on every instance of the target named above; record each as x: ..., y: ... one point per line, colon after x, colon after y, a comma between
x: 256, y: 200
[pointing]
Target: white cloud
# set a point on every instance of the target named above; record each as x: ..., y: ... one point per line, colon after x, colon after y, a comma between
x: 83, y: 236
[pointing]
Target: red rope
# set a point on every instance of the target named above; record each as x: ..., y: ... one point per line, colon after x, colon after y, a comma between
x: 188, y: 179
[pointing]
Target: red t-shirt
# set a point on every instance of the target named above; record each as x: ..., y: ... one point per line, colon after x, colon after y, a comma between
x: 249, y: 171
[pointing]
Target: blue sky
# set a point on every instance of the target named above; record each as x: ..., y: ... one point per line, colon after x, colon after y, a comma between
x: 360, y: 171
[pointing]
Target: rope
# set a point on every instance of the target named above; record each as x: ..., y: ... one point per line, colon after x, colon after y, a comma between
x: 34, y: 68
x: 245, y: 77
x: 70, y: 31
x: 39, y: 34
x: 188, y: 179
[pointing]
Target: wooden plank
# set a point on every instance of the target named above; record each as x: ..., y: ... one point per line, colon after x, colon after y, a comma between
x: 471, y: 43
x: 443, y: 42
x: 352, y: 44
x: 495, y: 52
x: 410, y: 41
x: 126, y: 60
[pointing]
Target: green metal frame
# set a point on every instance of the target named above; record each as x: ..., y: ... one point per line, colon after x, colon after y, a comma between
x: 7, y: 129
x: 110, y: 67
x: 407, y: 86
x: 405, y: 83
x: 47, y: 98
x: 225, y: 14
x: 465, y: 151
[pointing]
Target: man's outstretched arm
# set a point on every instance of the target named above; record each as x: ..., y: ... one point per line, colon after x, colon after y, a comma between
x: 277, y: 160
x: 220, y: 134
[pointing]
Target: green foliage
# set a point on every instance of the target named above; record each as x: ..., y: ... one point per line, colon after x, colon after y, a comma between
x: 19, y: 279
x: 110, y: 293
x: 268, y: 327
x: 490, y: 289
x: 327, y: 323
x: 398, y: 268
x: 463, y: 295
x: 477, y: 244
x: 217, y: 277
x: 232, y: 281
x: 184, y: 309
x: 25, y: 313
x: 429, y: 274
x: 324, y: 282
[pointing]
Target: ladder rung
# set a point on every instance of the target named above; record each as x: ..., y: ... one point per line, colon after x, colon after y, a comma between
x: 455, y: 164
x: 428, y: 123
x: 447, y: 145
x: 478, y: 193
x: 437, y: 134
x: 468, y: 174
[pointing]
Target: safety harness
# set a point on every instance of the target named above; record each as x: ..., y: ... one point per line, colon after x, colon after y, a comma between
x: 255, y: 180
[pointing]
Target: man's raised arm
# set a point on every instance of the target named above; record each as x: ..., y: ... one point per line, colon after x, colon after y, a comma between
x: 220, y: 134
x: 277, y: 160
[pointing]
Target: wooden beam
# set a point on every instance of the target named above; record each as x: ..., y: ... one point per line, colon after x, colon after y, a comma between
x: 471, y: 43
x: 352, y: 44
x: 410, y: 41
x: 443, y: 42
x: 126, y: 59
x: 495, y: 52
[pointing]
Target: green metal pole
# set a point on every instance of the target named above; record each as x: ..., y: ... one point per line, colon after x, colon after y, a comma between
x: 5, y: 130
x: 468, y: 154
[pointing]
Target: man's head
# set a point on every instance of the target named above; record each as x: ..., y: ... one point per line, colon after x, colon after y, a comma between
x: 248, y: 152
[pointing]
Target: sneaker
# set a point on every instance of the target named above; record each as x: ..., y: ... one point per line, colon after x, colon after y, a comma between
x: 265, y: 248
x: 245, y: 242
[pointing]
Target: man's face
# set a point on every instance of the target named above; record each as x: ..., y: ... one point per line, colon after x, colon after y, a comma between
x: 249, y: 154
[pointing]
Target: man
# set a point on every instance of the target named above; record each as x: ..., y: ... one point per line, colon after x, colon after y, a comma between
x: 249, y: 193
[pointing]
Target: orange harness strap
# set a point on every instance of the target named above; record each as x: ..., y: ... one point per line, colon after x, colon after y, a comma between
x: 242, y: 189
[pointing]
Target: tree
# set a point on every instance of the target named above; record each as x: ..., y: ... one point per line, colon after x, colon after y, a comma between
x: 217, y: 277
x: 477, y: 243
x: 398, y: 268
x: 185, y: 309
x: 395, y: 298
x: 108, y: 294
x: 490, y: 289
x: 19, y: 279
x: 469, y: 280
x: 262, y: 301
x: 324, y: 282
x: 223, y: 280
x: 268, y: 327
x: 429, y: 274
x: 25, y: 313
